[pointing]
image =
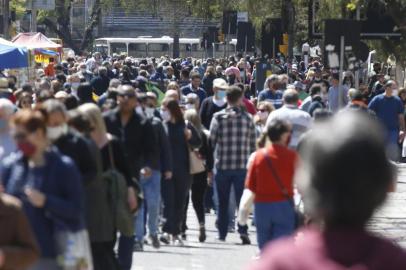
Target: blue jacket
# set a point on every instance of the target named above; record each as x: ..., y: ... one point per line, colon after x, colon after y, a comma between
x: 60, y: 181
x: 199, y: 92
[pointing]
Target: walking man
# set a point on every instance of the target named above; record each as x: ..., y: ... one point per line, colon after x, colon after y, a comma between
x: 232, y: 134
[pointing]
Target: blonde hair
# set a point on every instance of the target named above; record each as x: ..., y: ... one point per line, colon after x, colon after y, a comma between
x: 95, y: 117
x: 193, y: 117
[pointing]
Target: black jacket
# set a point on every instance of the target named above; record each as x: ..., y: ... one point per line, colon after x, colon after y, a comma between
x: 76, y: 147
x: 100, y: 84
x: 162, y: 159
x: 138, y: 138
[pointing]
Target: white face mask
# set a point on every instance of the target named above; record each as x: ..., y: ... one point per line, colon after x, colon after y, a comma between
x: 149, y: 111
x: 263, y: 115
x: 139, y: 110
x: 189, y: 106
x: 83, y: 70
x: 54, y: 133
x: 75, y: 85
x: 165, y: 115
x: 395, y: 92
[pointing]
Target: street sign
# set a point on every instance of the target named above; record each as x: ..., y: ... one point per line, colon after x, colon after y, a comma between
x: 41, y: 4
x: 242, y: 17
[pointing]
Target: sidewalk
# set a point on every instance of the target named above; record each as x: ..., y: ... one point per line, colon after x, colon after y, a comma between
x: 390, y: 220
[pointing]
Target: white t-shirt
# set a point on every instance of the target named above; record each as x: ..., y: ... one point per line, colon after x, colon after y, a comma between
x: 300, y: 121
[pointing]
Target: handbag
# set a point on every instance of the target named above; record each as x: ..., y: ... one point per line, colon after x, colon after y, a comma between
x: 299, y: 217
x: 74, y: 250
x: 196, y: 163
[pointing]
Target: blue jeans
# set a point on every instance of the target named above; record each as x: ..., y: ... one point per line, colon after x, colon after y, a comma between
x: 392, y: 144
x: 273, y: 220
x: 231, y: 207
x: 224, y: 179
x: 151, y: 187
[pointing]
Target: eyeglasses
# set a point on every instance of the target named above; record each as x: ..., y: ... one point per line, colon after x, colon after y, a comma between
x: 127, y: 95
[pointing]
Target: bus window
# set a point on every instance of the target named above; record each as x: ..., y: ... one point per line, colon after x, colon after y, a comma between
x: 118, y: 48
x: 103, y: 49
x: 137, y: 49
x: 158, y: 47
x: 195, y: 47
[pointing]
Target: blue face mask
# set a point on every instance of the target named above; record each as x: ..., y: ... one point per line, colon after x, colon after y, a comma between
x: 221, y: 94
x: 3, y: 124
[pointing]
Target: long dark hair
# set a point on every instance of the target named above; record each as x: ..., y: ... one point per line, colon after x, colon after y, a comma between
x: 173, y: 107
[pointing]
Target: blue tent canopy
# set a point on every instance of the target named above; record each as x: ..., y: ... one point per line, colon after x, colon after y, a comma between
x: 12, y: 56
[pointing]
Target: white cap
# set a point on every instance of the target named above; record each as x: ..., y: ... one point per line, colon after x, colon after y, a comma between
x: 220, y: 83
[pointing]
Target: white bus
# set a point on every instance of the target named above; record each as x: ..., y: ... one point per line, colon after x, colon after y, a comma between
x: 145, y: 46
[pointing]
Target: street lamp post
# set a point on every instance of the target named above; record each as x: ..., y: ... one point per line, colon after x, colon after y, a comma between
x: 306, y: 52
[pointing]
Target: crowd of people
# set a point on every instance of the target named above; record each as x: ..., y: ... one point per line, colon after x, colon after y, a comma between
x: 99, y: 152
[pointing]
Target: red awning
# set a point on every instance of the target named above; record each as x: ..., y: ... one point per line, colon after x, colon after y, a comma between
x: 35, y: 41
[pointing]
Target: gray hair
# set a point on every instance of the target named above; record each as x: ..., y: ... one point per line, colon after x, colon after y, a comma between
x: 53, y: 105
x: 7, y: 107
x: 114, y: 83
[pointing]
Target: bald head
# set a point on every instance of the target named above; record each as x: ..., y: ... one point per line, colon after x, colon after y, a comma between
x: 290, y: 97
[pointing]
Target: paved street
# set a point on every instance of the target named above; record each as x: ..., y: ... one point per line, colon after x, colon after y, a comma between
x: 198, y: 256
x: 389, y: 221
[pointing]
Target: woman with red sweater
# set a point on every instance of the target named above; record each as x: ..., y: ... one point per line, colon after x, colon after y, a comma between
x: 270, y: 178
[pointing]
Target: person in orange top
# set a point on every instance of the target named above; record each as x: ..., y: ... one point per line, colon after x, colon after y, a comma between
x: 50, y: 69
x: 270, y: 178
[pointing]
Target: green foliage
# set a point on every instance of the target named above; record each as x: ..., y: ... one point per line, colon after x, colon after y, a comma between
x: 19, y: 6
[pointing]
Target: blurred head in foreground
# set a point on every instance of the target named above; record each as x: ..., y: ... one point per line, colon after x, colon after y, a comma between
x: 344, y: 174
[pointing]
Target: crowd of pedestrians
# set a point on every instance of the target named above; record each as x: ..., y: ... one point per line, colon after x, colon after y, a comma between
x: 107, y: 152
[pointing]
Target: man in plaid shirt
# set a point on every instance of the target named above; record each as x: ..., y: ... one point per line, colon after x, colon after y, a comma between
x: 232, y: 134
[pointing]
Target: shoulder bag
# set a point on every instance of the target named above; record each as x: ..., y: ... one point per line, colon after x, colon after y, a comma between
x: 299, y: 217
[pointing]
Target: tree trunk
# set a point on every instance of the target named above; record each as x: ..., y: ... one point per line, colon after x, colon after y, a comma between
x: 6, y: 17
x: 291, y: 26
x: 94, y: 21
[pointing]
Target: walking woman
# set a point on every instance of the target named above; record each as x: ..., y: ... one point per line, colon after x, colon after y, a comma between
x: 270, y: 178
x: 48, y: 184
x: 199, y: 175
x: 111, y: 152
x: 175, y: 190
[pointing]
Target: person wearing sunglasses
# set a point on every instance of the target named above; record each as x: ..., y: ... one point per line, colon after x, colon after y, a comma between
x: 264, y: 108
x: 138, y: 136
x: 48, y: 184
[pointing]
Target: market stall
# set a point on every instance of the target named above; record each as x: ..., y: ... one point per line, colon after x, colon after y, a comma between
x: 42, y: 47
x: 12, y: 55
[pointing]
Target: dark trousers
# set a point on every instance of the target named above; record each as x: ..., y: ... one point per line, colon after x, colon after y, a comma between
x: 104, y: 257
x: 208, y: 198
x: 174, y: 194
x: 199, y: 186
x: 224, y: 179
x: 125, y: 252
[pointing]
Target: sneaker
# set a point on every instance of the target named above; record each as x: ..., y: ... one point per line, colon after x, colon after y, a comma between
x: 177, y: 241
x: 165, y: 238
x: 220, y: 239
x: 231, y: 230
x: 245, y: 239
x: 155, y: 241
x: 184, y: 236
x: 202, y: 234
x: 138, y: 246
